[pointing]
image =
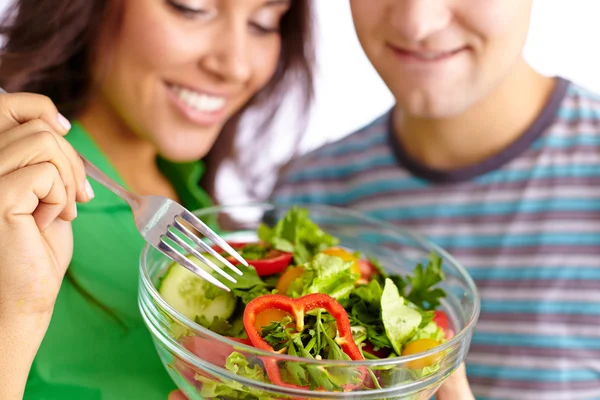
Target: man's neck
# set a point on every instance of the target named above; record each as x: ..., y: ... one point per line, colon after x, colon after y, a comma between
x: 482, y: 131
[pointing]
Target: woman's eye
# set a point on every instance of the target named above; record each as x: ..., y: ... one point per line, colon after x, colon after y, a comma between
x: 263, y: 29
x: 185, y: 9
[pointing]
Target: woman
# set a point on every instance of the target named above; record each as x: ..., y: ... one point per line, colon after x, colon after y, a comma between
x: 150, y: 87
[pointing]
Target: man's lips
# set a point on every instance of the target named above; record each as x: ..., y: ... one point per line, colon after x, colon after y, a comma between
x: 425, y: 56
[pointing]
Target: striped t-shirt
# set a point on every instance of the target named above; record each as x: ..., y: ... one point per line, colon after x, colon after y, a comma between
x: 525, y: 223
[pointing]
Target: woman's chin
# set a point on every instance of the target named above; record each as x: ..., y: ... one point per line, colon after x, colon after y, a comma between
x: 189, y: 149
x: 182, y: 157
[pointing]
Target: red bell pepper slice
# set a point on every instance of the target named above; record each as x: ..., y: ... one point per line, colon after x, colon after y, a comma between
x: 276, y: 261
x: 297, y: 308
x: 247, y: 342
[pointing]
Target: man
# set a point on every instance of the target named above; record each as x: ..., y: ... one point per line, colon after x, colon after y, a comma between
x: 497, y: 164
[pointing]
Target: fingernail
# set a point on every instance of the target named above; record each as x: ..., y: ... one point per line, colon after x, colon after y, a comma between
x: 74, y: 210
x: 64, y: 122
x: 88, y: 189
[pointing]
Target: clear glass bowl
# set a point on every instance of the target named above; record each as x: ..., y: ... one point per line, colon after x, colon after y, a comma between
x: 195, y: 357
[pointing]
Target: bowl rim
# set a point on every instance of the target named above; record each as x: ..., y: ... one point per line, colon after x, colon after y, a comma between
x: 458, y: 336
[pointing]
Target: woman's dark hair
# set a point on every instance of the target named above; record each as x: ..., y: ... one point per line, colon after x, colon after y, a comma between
x: 49, y: 49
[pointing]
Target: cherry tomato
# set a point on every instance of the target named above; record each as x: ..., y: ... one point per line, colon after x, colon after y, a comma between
x: 382, y: 352
x: 274, y: 262
x: 367, y: 270
x: 269, y: 316
x: 286, y: 279
x: 441, y: 319
x: 344, y: 255
x: 363, y: 268
x: 420, y: 346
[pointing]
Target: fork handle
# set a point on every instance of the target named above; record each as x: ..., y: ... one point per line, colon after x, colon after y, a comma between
x: 99, y: 176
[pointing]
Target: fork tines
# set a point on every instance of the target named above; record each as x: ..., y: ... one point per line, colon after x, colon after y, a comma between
x: 203, y: 229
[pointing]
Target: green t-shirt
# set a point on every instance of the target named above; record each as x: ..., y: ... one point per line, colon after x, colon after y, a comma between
x: 86, y: 353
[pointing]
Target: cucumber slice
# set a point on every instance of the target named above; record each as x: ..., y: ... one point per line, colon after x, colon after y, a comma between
x: 193, y: 296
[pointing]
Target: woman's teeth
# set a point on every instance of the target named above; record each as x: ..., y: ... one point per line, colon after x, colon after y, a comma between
x: 199, y: 101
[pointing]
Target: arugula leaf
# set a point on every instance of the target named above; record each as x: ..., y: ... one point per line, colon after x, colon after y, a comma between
x: 316, y: 341
x: 297, y: 373
x: 362, y: 315
x: 421, y: 284
x: 400, y: 320
x: 295, y: 231
x: 378, y: 337
x: 365, y: 310
x: 326, y: 274
x: 249, y: 285
x: 278, y: 335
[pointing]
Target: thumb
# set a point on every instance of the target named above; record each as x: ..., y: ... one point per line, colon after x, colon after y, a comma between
x: 456, y: 386
x: 177, y: 395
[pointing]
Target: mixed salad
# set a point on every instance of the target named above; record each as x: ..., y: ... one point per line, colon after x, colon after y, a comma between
x: 304, y: 295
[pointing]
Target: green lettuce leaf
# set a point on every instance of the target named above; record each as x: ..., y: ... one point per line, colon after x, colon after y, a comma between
x: 430, y: 331
x: 400, y: 320
x: 239, y: 365
x: 295, y: 232
x: 370, y: 293
x: 326, y: 274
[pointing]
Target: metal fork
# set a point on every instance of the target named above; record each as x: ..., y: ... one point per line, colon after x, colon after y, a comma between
x: 155, y: 215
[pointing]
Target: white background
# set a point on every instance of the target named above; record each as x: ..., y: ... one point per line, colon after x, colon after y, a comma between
x: 563, y: 40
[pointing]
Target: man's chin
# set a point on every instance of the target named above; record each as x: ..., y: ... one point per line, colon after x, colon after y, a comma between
x: 432, y: 111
